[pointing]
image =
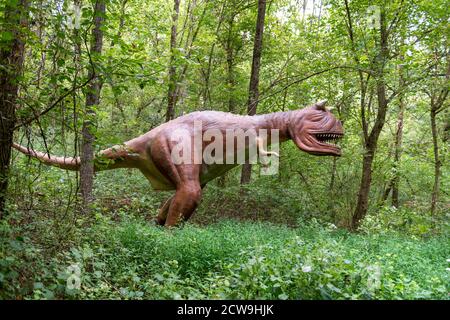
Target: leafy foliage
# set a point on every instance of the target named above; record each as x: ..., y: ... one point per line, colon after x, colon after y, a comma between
x: 279, y: 237
x: 235, y: 260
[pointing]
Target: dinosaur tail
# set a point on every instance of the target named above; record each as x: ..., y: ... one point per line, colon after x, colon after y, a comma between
x: 110, y: 158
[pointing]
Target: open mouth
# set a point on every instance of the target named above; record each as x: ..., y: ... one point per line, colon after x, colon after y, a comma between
x: 329, y: 138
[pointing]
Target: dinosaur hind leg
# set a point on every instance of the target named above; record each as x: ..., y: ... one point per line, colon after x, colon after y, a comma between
x: 184, y: 203
x: 184, y: 176
x: 163, y: 211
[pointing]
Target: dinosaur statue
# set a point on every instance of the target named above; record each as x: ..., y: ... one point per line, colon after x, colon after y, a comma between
x: 310, y: 128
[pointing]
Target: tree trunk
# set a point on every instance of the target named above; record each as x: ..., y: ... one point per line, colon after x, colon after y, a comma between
x: 372, y: 140
x: 253, y: 92
x: 171, y: 94
x: 11, y: 60
x: 331, y: 189
x: 364, y: 189
x: 394, y: 183
x: 370, y: 148
x: 206, y: 92
x: 230, y: 65
x: 92, y: 100
x: 437, y: 162
x: 398, y: 153
x: 188, y: 48
x: 438, y: 100
x: 229, y: 50
x: 114, y: 119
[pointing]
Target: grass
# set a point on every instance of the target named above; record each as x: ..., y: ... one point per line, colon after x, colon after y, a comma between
x: 251, y: 246
x: 131, y: 259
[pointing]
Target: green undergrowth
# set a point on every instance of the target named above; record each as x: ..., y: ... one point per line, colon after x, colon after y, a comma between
x: 132, y: 259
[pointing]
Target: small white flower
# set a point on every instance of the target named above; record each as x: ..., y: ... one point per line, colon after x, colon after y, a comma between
x: 306, y: 268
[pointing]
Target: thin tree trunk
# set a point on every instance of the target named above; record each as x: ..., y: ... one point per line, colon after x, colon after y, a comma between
x: 386, y: 192
x: 171, y: 94
x: 222, y: 180
x: 437, y: 162
x: 11, y: 60
x: 438, y: 105
x: 372, y: 141
x: 230, y: 65
x: 364, y: 189
x: 206, y: 94
x: 190, y: 39
x: 114, y: 119
x: 92, y: 100
x: 366, y: 177
x: 398, y: 153
x: 393, y: 184
x: 331, y: 189
x: 253, y: 93
x: 229, y: 51
x: 78, y: 69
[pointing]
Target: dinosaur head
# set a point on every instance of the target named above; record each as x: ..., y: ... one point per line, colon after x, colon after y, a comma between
x: 314, y: 129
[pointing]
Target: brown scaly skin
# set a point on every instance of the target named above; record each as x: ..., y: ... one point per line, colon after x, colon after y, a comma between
x: 309, y: 128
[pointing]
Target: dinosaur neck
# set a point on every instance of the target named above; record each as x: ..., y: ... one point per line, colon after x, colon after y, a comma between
x: 277, y: 120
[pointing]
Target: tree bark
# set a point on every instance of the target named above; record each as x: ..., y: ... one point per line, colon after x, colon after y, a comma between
x: 11, y: 60
x: 364, y: 189
x: 111, y: 80
x: 398, y: 152
x: 331, y: 188
x: 253, y: 92
x: 438, y: 99
x: 92, y: 100
x: 393, y: 184
x: 372, y: 141
x: 230, y: 66
x: 230, y: 81
x: 437, y: 162
x: 171, y: 93
x: 206, y: 93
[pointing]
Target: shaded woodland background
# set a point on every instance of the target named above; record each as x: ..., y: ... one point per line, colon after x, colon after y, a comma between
x: 78, y: 76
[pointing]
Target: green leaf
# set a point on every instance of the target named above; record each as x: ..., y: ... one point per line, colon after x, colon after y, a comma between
x: 38, y: 285
x: 6, y: 36
x: 283, y: 296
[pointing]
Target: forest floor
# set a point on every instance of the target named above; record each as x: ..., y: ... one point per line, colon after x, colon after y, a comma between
x: 131, y: 259
x: 260, y: 244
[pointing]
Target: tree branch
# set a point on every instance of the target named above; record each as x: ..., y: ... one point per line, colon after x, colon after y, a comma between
x: 54, y: 104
